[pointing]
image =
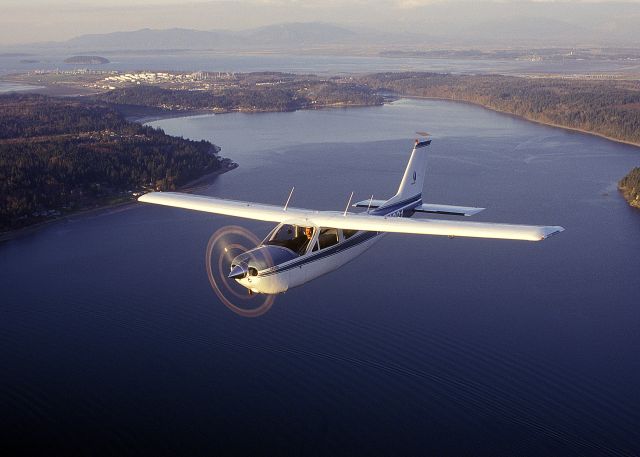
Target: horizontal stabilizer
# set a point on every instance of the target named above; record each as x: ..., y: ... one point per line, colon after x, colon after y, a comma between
x: 369, y: 204
x: 433, y: 208
x: 448, y: 209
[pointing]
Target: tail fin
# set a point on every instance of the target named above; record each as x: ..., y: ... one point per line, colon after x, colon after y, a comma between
x: 413, y: 179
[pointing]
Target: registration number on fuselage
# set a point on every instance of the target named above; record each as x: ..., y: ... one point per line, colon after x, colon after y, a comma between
x: 396, y: 213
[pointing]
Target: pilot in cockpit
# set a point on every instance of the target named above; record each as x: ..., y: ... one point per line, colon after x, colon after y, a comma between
x: 304, y: 239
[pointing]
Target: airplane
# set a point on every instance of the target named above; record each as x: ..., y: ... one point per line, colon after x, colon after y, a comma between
x: 307, y: 244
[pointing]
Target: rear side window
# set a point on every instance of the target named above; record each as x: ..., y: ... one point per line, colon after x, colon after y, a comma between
x: 328, y: 237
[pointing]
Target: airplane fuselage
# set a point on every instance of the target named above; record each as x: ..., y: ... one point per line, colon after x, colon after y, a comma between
x: 270, y: 277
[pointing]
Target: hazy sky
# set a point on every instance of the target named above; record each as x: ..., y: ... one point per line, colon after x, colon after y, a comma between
x: 23, y: 21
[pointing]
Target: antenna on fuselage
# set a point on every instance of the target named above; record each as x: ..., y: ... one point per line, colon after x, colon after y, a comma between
x: 370, y: 201
x: 290, y: 194
x: 348, y: 203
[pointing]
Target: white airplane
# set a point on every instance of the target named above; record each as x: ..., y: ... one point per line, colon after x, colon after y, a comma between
x: 307, y: 244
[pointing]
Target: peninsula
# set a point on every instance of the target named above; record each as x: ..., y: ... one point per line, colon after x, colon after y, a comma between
x: 609, y: 108
x: 59, y: 156
x: 216, y: 92
x: 630, y: 187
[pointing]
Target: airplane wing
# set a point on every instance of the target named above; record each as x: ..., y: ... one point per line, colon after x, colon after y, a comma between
x: 257, y: 211
x: 435, y: 227
x: 351, y: 221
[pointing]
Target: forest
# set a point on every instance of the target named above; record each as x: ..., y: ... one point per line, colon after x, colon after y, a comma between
x: 285, y: 96
x: 606, y: 107
x: 63, y: 155
x: 630, y: 187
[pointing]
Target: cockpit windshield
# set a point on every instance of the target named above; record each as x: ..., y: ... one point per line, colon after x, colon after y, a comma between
x: 294, y: 237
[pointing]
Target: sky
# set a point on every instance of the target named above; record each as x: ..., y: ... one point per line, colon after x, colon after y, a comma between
x: 28, y: 21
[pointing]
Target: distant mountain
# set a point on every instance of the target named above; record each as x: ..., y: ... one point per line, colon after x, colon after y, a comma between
x: 429, y: 33
x: 279, y: 35
x: 151, y: 39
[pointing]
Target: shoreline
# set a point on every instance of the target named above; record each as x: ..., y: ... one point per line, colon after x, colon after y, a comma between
x: 153, y: 115
x: 188, y: 187
x: 156, y: 116
x: 518, y: 116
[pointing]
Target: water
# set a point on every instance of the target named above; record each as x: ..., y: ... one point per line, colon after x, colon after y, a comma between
x: 311, y: 63
x: 6, y: 87
x: 112, y: 337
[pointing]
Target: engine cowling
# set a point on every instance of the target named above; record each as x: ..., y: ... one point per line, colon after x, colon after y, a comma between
x: 252, y: 262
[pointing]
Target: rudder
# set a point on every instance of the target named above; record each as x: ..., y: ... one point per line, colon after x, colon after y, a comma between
x: 413, y: 180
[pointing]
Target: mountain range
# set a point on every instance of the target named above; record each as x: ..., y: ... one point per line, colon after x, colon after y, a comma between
x: 272, y: 36
x: 497, y: 32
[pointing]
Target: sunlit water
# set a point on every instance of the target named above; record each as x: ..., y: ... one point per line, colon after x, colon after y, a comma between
x: 112, y: 337
x: 6, y: 87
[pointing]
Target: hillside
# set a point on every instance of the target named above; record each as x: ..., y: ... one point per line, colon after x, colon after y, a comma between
x: 630, y: 187
x: 277, y: 35
x: 609, y: 108
x: 252, y: 92
x: 58, y: 156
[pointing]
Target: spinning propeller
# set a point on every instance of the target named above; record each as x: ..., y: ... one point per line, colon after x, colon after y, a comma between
x: 224, y: 246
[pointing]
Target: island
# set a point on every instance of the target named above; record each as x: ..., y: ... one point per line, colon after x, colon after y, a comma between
x: 630, y: 187
x: 63, y: 155
x: 87, y: 60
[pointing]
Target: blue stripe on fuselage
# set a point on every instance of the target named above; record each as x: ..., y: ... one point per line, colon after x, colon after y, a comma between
x: 411, y: 202
x: 406, y: 207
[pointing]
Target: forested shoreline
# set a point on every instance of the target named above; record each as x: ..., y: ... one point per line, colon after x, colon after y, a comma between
x: 609, y: 108
x: 630, y: 187
x: 58, y: 156
x: 283, y: 96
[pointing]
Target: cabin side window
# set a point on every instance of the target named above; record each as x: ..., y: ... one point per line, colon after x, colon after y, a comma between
x: 292, y: 237
x: 346, y: 234
x: 328, y: 237
x: 283, y: 233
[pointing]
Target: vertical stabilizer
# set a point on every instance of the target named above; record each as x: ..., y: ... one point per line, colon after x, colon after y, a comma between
x: 413, y: 179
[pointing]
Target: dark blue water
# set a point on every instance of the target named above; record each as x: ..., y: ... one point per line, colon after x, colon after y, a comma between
x: 112, y: 339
